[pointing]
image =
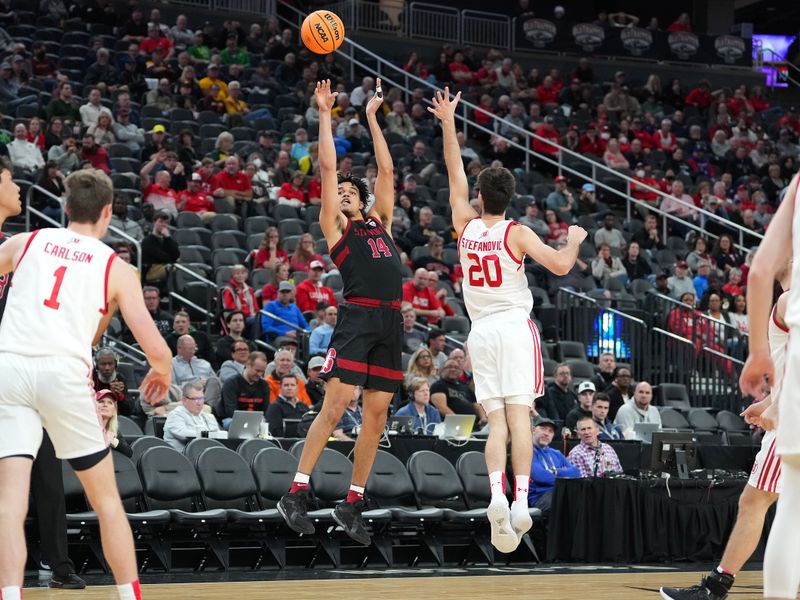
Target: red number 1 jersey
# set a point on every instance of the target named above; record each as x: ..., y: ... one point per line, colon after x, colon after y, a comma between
x: 58, y: 295
x: 494, y: 280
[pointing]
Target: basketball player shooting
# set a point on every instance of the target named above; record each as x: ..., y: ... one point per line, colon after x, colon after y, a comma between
x: 67, y: 284
x: 765, y: 482
x: 504, y: 342
x: 782, y: 557
x: 366, y: 346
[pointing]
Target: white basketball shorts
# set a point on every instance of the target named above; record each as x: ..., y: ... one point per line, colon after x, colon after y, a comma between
x: 506, y: 357
x: 766, y: 473
x: 51, y: 392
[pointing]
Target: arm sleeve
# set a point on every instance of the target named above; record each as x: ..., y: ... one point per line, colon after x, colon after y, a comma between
x: 300, y: 319
x: 566, y: 468
x: 314, y: 343
x: 301, y: 298
x: 623, y: 419
x: 229, y: 399
x: 228, y: 302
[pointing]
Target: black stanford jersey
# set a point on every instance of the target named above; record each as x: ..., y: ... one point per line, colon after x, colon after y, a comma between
x: 369, y: 262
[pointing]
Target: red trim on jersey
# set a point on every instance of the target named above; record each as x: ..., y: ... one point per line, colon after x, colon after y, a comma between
x: 362, y: 367
x: 27, y: 245
x: 341, y: 239
x: 458, y: 242
x: 762, y: 479
x: 505, y: 245
x: 538, y: 365
x: 340, y: 257
x: 111, y: 258
x: 773, y: 483
x: 783, y: 327
x: 373, y: 302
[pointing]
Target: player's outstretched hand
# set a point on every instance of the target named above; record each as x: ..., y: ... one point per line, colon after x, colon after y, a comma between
x: 376, y: 100
x: 755, y: 368
x: 155, y: 386
x: 325, y: 97
x: 576, y: 233
x: 443, y: 107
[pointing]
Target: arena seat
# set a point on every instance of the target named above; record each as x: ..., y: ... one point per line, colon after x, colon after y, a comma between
x: 672, y: 419
x: 144, y: 443
x: 702, y: 420
x: 128, y: 428
x: 249, y: 448
x: 197, y: 446
x: 674, y: 395
x: 567, y: 350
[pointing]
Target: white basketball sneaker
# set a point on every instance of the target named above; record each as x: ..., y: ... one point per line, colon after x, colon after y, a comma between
x: 499, y: 515
x: 521, y: 520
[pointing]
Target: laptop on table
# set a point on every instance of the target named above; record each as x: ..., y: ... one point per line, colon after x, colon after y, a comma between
x: 245, y: 425
x: 457, y: 427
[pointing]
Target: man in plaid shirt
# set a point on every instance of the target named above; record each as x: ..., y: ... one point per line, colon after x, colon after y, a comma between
x: 592, y: 457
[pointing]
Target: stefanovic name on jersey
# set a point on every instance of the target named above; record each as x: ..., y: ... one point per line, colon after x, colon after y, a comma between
x: 478, y: 246
x: 66, y: 253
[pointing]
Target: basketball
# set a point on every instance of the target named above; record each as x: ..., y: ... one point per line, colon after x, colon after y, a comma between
x: 322, y: 32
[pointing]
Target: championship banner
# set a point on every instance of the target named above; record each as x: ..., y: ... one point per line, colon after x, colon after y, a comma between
x: 543, y: 34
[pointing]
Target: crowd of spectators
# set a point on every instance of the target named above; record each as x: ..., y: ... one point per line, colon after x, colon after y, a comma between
x: 219, y: 124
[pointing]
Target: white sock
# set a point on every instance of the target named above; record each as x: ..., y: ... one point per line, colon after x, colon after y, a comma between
x: 497, y: 483
x: 521, y: 483
x: 11, y: 592
x: 129, y: 591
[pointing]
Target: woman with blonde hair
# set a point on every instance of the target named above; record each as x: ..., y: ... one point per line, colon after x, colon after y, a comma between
x: 103, y: 130
x: 107, y: 413
x: 304, y: 254
x: 421, y: 365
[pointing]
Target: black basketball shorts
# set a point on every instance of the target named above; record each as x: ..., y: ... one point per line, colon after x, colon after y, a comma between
x: 366, y: 348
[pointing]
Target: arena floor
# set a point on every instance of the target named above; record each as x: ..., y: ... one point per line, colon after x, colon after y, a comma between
x: 450, y: 584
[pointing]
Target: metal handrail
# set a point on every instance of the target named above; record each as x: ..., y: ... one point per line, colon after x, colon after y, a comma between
x: 679, y: 304
x: 596, y: 302
x: 126, y: 349
x: 385, y: 69
x: 29, y: 208
x: 191, y: 304
x: 193, y: 274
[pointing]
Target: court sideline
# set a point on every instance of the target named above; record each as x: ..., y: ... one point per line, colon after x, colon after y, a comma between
x: 615, y: 586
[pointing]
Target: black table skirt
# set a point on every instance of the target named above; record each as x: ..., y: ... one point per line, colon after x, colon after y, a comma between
x: 629, y: 521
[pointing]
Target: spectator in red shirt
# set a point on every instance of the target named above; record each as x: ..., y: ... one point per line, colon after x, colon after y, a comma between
x: 441, y: 293
x: 459, y: 71
x: 548, y: 131
x: 240, y: 296
x: 193, y: 199
x: 638, y: 133
x: 270, y: 251
x: 486, y: 76
x: 664, y: 139
x: 311, y: 291
x: 590, y: 142
x: 421, y: 297
x: 155, y: 40
x: 292, y: 192
x: 270, y: 290
x: 651, y: 197
x: 95, y: 154
x: 304, y: 254
x: 682, y: 23
x: 232, y: 184
x: 700, y: 97
x: 757, y: 101
x: 547, y: 92
x: 790, y: 120
x: 160, y: 195
x: 483, y: 114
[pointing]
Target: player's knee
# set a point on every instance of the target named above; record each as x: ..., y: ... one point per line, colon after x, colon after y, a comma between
x: 374, y: 416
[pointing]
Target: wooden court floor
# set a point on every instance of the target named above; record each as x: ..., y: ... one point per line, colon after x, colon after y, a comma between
x: 616, y: 586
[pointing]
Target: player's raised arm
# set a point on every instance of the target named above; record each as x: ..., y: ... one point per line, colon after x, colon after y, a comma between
x: 444, y: 108
x: 384, y: 184
x: 768, y: 260
x: 523, y: 240
x: 330, y: 218
x: 125, y: 291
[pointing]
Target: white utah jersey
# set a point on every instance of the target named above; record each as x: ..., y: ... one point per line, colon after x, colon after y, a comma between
x: 778, y: 341
x: 493, y: 277
x: 792, y: 316
x: 58, y: 295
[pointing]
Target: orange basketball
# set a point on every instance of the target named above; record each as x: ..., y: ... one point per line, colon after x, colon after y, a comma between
x: 322, y: 32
